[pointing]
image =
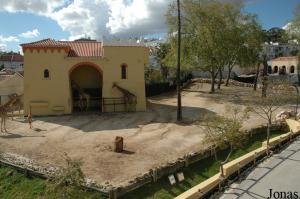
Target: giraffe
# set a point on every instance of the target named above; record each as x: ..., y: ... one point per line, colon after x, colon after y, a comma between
x: 3, y: 112
x: 17, y: 104
x: 129, y: 97
x: 82, y: 96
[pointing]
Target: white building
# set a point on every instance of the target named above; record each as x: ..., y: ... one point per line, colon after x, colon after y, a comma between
x: 275, y: 50
x: 12, y: 61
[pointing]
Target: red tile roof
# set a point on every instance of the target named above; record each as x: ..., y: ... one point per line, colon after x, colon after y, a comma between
x: 84, y: 48
x: 293, y: 58
x: 12, y: 58
x: 78, y: 48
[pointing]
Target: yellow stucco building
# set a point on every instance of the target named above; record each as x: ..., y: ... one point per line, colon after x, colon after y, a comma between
x: 59, y: 74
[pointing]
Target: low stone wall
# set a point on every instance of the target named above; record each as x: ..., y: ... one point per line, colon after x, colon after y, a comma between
x: 231, y: 82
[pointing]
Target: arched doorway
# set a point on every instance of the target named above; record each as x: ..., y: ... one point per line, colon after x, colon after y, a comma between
x: 282, y: 70
x: 275, y: 70
x: 86, y: 82
x: 292, y: 69
x: 269, y: 69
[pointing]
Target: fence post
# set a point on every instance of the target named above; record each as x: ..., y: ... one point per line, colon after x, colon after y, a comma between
x: 154, y: 175
x: 186, y: 160
x: 112, y: 194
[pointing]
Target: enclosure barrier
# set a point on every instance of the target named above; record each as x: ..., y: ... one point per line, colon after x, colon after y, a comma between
x: 165, y: 170
x: 233, y: 167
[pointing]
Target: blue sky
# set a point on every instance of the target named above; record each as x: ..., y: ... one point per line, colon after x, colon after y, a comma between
x: 55, y: 22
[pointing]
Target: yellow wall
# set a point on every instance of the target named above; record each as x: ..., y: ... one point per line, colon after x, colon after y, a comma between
x: 53, y: 96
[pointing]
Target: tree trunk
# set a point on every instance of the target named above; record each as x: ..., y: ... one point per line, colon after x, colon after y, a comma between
x: 228, y: 76
x: 225, y: 161
x: 268, y: 135
x: 256, y: 77
x: 213, y: 77
x: 298, y: 73
x: 220, y: 78
x: 265, y: 78
x: 179, y: 110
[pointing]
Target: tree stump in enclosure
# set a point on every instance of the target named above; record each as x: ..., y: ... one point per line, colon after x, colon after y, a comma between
x: 119, y: 144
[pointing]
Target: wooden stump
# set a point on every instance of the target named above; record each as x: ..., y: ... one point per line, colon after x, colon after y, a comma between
x: 119, y: 144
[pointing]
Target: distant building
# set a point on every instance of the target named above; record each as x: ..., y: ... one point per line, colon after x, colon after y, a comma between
x: 285, y: 65
x: 275, y: 50
x: 12, y: 61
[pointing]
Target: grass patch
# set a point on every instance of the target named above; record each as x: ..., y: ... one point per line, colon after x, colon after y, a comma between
x: 196, y: 173
x: 15, y: 185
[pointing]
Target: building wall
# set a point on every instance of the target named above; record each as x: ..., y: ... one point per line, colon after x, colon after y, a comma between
x: 287, y: 63
x: 53, y: 96
x: 17, y: 66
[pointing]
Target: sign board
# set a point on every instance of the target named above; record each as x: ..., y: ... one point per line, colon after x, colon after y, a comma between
x: 172, y: 179
x: 180, y: 176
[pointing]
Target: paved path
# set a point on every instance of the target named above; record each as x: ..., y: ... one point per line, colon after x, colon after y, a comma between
x: 281, y: 173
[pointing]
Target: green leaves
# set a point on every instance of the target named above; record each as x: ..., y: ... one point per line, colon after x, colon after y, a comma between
x: 215, y: 34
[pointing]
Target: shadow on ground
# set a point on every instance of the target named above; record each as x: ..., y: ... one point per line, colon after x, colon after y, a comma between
x: 156, y: 113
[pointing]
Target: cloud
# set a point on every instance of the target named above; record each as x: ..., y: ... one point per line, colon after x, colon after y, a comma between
x: 138, y: 18
x: 41, y: 7
x: 97, y: 18
x: 2, y: 47
x: 8, y: 39
x: 30, y: 34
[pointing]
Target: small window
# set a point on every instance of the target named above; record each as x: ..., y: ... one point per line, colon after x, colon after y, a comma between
x: 124, y: 71
x: 46, y: 74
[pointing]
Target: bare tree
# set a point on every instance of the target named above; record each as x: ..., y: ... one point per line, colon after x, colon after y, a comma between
x: 226, y: 131
x: 66, y: 182
x: 279, y: 93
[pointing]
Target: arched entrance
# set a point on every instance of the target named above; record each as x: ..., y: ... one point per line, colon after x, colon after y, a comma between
x: 275, y: 70
x: 86, y: 82
x: 282, y: 70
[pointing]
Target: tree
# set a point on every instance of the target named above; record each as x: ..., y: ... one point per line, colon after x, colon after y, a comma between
x: 66, y: 182
x: 161, y: 53
x: 294, y: 31
x: 204, y: 44
x: 222, y: 132
x: 276, y: 35
x: 277, y: 95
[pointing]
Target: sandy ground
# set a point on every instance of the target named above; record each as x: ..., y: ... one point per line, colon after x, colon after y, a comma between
x: 151, y: 138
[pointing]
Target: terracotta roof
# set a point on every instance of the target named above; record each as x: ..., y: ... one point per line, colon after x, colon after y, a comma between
x: 48, y: 43
x: 78, y: 48
x: 84, y: 48
x: 124, y: 43
x: 12, y: 57
x: 294, y: 58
